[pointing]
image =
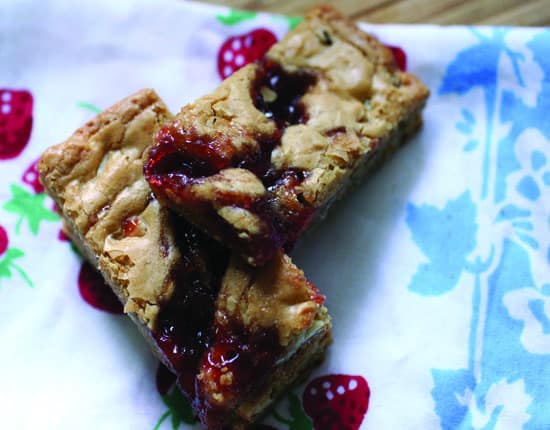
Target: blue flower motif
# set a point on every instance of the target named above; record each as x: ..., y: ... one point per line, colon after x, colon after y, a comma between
x: 476, y: 66
x: 522, y: 117
x: 446, y: 236
x: 532, y: 307
x: 504, y: 382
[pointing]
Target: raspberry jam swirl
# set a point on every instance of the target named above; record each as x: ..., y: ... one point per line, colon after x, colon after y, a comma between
x: 211, y: 354
x: 183, y: 158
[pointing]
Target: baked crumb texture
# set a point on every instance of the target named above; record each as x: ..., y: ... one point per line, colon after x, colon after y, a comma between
x: 235, y: 335
x: 96, y: 179
x: 256, y: 161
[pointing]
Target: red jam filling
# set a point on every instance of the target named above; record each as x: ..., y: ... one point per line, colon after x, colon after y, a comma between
x: 130, y: 226
x: 188, y: 154
x: 277, y: 93
x: 182, y: 158
x: 236, y: 360
x: 287, y: 208
x: 335, y: 131
x: 192, y: 342
x: 184, y: 324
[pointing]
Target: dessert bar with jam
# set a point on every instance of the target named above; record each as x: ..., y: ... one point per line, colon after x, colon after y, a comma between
x: 234, y: 335
x: 255, y: 162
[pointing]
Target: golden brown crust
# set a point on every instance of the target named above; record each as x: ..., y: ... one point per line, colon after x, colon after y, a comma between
x: 359, y: 90
x: 275, y: 295
x: 274, y: 300
x: 228, y: 111
x: 96, y: 179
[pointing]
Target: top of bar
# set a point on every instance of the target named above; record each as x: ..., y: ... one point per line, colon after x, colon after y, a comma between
x: 252, y: 163
x: 97, y: 181
x: 222, y: 326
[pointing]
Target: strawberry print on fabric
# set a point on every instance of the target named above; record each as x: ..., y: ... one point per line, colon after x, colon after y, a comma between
x: 3, y: 240
x: 239, y: 50
x: 179, y: 410
x: 89, y: 106
x: 30, y: 177
x: 15, y: 121
x: 297, y: 418
x: 399, y: 56
x: 235, y: 16
x: 29, y: 207
x: 337, y: 401
x: 95, y: 291
x: 62, y: 236
x: 7, y: 257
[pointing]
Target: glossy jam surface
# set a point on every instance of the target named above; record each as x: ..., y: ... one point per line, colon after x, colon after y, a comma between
x: 182, y: 158
x: 286, y: 206
x: 184, y: 324
x: 186, y: 153
x: 237, y: 360
x: 183, y: 152
x: 194, y: 343
x: 130, y: 226
x: 277, y: 93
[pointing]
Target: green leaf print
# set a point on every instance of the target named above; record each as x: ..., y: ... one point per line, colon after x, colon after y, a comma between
x: 7, y: 264
x: 293, y: 21
x: 298, y: 419
x: 179, y: 409
x: 89, y: 106
x: 235, y: 16
x: 29, y: 207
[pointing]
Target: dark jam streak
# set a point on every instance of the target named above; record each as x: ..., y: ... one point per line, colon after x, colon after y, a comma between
x: 285, y: 206
x: 278, y: 94
x: 184, y: 324
x: 165, y: 379
x: 183, y: 152
x: 130, y: 226
x: 193, y: 342
x: 187, y: 153
x: 182, y: 158
x: 237, y: 360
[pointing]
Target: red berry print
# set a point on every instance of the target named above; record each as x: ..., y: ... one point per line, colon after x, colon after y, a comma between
x: 337, y: 402
x: 243, y: 49
x: 95, y: 291
x: 30, y: 177
x: 8, y: 257
x: 399, y: 56
x: 62, y: 236
x: 3, y: 240
x: 165, y: 379
x: 15, y: 122
x: 179, y: 410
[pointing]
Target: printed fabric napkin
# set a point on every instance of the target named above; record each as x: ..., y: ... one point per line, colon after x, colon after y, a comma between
x: 436, y: 269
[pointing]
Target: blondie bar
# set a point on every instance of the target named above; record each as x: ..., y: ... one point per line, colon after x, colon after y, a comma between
x: 234, y: 335
x: 256, y: 161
